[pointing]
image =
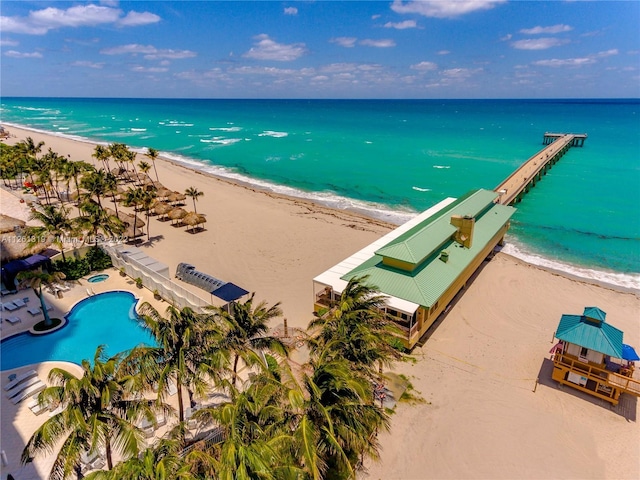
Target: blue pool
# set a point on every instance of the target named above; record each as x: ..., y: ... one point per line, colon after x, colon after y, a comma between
x: 98, y: 278
x: 107, y: 318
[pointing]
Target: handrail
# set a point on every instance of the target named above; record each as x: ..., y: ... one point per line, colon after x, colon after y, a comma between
x: 621, y: 382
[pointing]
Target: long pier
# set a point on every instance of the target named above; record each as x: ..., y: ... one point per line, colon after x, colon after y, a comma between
x: 516, y: 185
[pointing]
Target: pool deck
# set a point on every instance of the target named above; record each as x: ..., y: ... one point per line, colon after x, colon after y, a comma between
x: 18, y: 422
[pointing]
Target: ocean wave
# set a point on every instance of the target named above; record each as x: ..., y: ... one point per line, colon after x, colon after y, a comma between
x: 221, y: 140
x: 226, y: 129
x: 274, y: 134
x: 138, y: 129
x: 625, y: 280
x: 442, y: 166
x: 420, y: 189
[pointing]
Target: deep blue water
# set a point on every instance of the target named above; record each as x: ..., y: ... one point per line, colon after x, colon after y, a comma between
x: 392, y: 158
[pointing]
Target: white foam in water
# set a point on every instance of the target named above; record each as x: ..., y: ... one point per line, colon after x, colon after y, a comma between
x: 420, y: 189
x: 138, y: 129
x: 226, y: 129
x: 624, y: 280
x: 221, y: 140
x: 441, y: 166
x: 274, y: 134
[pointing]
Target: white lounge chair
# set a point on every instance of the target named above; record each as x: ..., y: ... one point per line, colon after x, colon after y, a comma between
x: 19, y: 378
x: 36, y: 407
x: 173, y: 389
x: 33, y: 389
x: 13, y: 320
x: 49, y: 308
x: 10, y: 306
x: 22, y: 386
x: 34, y: 311
x: 19, y: 303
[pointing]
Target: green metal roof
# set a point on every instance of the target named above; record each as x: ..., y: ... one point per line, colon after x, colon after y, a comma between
x: 426, y: 284
x: 598, y: 336
x: 423, y: 240
x: 595, y: 312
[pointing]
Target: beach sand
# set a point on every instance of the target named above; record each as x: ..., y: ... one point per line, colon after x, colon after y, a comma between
x: 477, y: 370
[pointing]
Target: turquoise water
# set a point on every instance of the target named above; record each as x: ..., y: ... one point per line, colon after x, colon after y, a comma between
x: 98, y: 278
x: 391, y: 159
x: 106, y: 318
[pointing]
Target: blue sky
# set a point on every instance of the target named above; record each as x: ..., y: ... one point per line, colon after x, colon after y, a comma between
x: 321, y: 49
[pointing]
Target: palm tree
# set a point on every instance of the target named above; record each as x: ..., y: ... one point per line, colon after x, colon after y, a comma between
x: 245, y: 330
x: 184, y: 354
x: 146, y: 200
x: 194, y: 193
x: 55, y: 222
x: 102, y: 154
x: 152, y: 153
x: 96, y: 183
x: 144, y: 168
x: 98, y: 413
x: 36, y: 280
x: 357, y: 329
x: 96, y: 218
x: 133, y: 198
x: 73, y: 170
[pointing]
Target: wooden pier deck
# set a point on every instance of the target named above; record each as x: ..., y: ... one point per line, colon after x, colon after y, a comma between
x: 516, y: 185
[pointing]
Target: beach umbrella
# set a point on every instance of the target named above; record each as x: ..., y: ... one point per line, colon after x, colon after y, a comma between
x: 164, y: 192
x: 177, y: 214
x: 9, y: 224
x: 193, y: 219
x: 176, y: 197
x: 162, y: 208
x: 133, y: 232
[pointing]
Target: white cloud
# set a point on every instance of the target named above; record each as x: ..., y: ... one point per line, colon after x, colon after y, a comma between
x: 576, y: 62
x: 442, y: 8
x: 9, y: 43
x: 401, y: 25
x: 87, y: 64
x: 460, y: 72
x: 14, y: 54
x: 424, y: 66
x: 546, y: 30
x: 135, y: 19
x: 267, y: 49
x: 538, y: 43
x: 142, y: 69
x: 382, y: 43
x: 149, y: 51
x: 347, y: 42
x: 290, y: 11
x: 39, y: 22
x: 443, y: 52
x: 506, y: 38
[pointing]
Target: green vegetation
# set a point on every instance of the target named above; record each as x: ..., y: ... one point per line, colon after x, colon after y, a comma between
x: 94, y: 260
x: 285, y: 421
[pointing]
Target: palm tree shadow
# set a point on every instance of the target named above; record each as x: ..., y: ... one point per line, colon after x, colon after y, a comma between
x: 627, y: 406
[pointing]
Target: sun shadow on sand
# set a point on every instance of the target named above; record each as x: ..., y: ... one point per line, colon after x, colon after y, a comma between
x: 626, y: 407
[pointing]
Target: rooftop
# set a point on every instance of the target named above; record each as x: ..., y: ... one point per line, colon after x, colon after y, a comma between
x: 591, y: 331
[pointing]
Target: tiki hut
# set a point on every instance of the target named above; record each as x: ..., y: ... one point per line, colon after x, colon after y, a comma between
x: 177, y: 214
x: 176, y: 197
x: 162, y: 208
x: 193, y: 219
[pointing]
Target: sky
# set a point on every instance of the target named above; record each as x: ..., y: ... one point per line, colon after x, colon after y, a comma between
x: 321, y: 49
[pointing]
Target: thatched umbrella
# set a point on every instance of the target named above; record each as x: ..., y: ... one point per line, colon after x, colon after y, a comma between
x: 176, y: 197
x: 193, y: 219
x: 132, y: 233
x: 126, y: 218
x: 177, y: 214
x: 162, y: 208
x: 163, y: 192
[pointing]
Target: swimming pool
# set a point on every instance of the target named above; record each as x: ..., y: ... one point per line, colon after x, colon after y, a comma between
x: 98, y: 278
x: 107, y: 318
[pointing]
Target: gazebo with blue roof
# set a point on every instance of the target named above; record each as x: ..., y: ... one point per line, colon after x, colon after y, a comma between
x: 592, y: 357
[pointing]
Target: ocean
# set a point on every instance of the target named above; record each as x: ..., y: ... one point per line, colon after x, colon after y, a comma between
x: 390, y: 159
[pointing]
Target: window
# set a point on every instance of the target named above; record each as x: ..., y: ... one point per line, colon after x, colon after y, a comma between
x: 583, y: 352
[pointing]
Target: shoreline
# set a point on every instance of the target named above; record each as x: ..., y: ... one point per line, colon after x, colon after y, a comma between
x: 626, y: 282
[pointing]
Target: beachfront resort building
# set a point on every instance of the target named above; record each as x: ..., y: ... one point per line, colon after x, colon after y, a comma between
x: 592, y: 357
x: 421, y: 265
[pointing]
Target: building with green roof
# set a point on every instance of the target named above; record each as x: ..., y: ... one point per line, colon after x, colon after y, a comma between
x: 592, y: 357
x: 423, y: 264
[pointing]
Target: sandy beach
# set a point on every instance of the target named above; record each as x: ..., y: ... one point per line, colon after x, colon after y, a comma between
x: 479, y: 367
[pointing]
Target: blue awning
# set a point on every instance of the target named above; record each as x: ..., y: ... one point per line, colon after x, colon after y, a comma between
x: 628, y: 353
x: 229, y: 292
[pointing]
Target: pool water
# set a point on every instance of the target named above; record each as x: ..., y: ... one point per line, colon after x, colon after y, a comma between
x: 107, y: 318
x: 98, y: 278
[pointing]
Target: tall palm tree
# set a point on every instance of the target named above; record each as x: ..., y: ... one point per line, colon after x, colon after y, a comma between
x: 96, y: 183
x: 74, y: 170
x: 194, y: 193
x: 36, y: 280
x: 245, y: 328
x: 102, y: 154
x: 184, y: 354
x: 55, y: 222
x: 357, y: 329
x: 97, y: 413
x: 147, y: 200
x: 144, y: 168
x: 95, y: 219
x: 133, y: 197
x: 152, y: 153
